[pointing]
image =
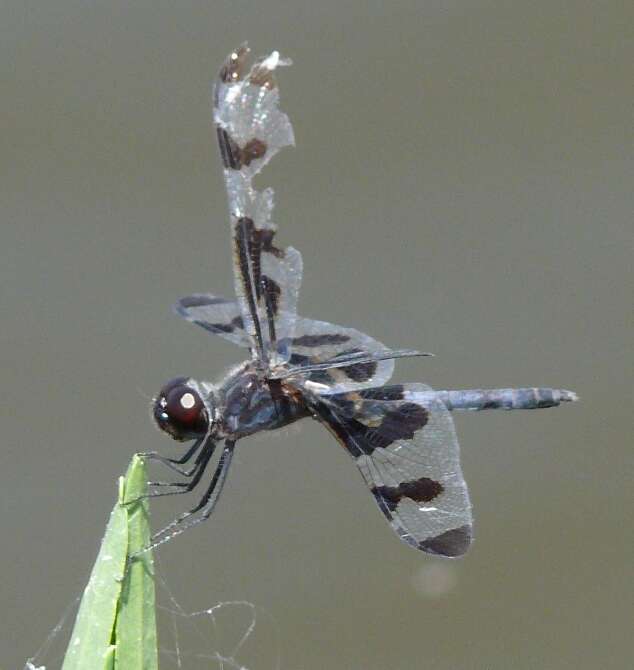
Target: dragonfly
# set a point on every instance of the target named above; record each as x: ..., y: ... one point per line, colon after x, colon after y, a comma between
x: 400, y: 436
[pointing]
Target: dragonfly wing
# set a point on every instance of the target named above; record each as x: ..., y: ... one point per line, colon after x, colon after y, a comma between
x: 216, y: 315
x: 317, y: 342
x: 251, y: 129
x: 404, y: 443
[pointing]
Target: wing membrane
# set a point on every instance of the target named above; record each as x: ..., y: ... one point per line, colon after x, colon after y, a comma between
x: 347, y: 360
x: 403, y: 441
x: 216, y: 315
x: 318, y: 342
x: 251, y: 130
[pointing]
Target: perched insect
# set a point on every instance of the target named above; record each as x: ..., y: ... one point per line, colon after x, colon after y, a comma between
x: 401, y: 437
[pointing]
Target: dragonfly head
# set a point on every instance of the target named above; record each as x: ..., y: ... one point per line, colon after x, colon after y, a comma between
x: 183, y: 408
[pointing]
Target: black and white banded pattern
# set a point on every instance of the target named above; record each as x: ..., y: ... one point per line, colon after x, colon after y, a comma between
x: 403, y: 441
x: 251, y: 129
x: 314, y: 342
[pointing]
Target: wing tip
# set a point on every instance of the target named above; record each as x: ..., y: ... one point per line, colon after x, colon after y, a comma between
x: 450, y: 544
x: 179, y: 307
x: 234, y: 67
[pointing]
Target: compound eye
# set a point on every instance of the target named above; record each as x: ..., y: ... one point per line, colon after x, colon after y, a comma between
x: 180, y: 411
x: 183, y: 406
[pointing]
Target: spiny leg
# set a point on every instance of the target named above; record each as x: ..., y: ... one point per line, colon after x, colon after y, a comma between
x: 172, y: 463
x: 206, y: 503
x: 175, y: 468
x: 217, y: 482
x: 197, y: 471
x: 186, y: 473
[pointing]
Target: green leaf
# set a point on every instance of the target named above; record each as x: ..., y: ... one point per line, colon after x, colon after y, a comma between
x: 115, y: 627
x: 92, y: 633
x: 110, y: 657
x: 135, y: 630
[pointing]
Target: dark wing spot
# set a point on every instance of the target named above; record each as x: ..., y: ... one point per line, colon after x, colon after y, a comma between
x: 317, y: 376
x: 252, y: 150
x: 362, y: 372
x: 320, y: 340
x: 201, y: 301
x: 234, y: 157
x: 393, y: 392
x: 419, y: 490
x: 299, y: 359
x: 347, y: 403
x: 266, y: 238
x: 398, y: 424
x: 262, y: 76
x: 236, y: 324
x: 272, y: 291
x: 216, y: 327
x: 454, y: 542
x: 232, y: 69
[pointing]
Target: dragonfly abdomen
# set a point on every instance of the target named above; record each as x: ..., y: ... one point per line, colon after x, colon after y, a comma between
x: 522, y: 398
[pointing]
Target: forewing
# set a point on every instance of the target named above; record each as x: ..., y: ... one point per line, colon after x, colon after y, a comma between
x: 315, y: 342
x: 216, y: 315
x: 403, y: 440
x: 319, y: 342
x: 251, y: 129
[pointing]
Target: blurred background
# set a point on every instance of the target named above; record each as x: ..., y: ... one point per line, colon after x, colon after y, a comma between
x: 462, y: 184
